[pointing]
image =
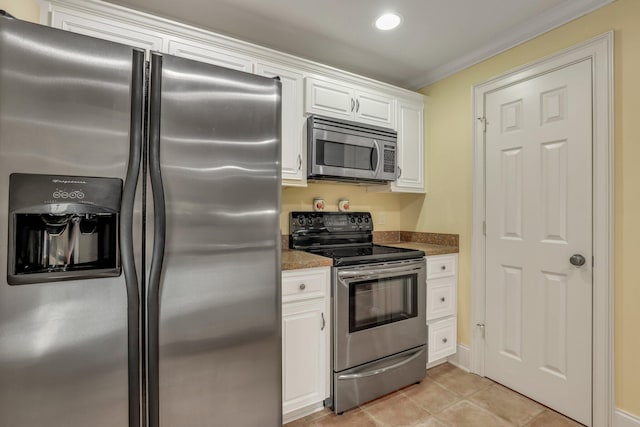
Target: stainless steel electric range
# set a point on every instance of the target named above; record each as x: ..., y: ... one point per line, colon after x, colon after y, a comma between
x: 378, y: 306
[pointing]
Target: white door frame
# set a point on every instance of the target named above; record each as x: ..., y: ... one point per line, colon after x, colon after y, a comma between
x: 600, y: 51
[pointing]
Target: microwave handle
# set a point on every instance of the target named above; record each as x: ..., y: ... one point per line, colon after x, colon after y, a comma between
x: 375, y: 157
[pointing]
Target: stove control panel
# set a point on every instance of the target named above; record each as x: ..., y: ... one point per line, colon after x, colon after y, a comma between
x: 330, y: 222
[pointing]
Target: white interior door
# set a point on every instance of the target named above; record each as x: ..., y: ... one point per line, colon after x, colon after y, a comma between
x: 538, y: 214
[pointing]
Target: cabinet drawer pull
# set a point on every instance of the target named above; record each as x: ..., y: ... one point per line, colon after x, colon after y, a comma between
x: 302, y: 286
x: 444, y: 340
x: 444, y: 267
x: 443, y: 299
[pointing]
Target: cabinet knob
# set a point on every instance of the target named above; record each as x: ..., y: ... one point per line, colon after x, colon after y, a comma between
x: 302, y: 286
x: 444, y: 340
x: 444, y: 267
x: 443, y: 299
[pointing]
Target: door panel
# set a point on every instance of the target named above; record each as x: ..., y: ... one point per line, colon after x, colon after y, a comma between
x: 220, y: 347
x: 64, y: 109
x: 538, y: 198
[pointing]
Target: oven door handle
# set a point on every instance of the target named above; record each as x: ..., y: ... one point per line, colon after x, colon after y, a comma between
x: 378, y: 272
x: 381, y: 370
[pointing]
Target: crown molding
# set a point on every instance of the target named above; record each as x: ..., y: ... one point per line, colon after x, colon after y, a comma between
x: 544, y: 22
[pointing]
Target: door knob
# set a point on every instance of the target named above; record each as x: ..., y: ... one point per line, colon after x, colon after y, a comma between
x: 577, y: 260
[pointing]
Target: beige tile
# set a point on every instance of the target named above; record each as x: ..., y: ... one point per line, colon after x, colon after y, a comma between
x: 398, y: 411
x: 552, y: 419
x: 430, y: 422
x: 353, y: 418
x: 466, y: 414
x: 430, y: 395
x: 507, y: 404
x: 457, y: 380
x: 309, y: 419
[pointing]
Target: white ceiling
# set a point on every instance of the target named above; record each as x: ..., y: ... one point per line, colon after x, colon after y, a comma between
x: 435, y: 39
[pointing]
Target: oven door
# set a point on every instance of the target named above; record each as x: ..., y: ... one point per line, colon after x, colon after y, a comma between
x: 379, y: 310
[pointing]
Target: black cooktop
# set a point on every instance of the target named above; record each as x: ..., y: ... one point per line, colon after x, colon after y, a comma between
x: 346, y: 237
x: 365, y: 254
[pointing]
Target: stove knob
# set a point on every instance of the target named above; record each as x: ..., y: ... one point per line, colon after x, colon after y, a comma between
x: 301, y: 220
x: 359, y: 220
x: 366, y: 219
x: 309, y: 221
x: 353, y: 220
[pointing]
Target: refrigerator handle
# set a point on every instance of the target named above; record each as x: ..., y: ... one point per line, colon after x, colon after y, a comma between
x: 159, y: 230
x: 126, y: 236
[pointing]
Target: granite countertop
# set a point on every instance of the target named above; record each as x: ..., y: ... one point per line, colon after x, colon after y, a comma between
x: 430, y: 243
x: 295, y: 260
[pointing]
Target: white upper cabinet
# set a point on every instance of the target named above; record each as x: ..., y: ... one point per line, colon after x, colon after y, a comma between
x: 307, y: 87
x: 375, y: 109
x: 410, y: 155
x: 336, y: 99
x: 93, y: 25
x: 293, y: 121
x: 210, y: 54
x: 329, y: 98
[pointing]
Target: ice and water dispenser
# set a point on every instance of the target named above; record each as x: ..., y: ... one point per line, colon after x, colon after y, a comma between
x: 62, y: 228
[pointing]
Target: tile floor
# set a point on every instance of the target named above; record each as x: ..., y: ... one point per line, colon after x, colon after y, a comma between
x: 447, y: 397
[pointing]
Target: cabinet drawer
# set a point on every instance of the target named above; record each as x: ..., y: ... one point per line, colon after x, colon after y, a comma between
x: 442, y: 339
x: 304, y: 284
x: 441, y: 297
x: 441, y: 266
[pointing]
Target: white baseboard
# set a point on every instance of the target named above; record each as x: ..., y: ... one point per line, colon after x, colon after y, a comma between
x: 625, y: 419
x: 302, y: 412
x: 462, y: 358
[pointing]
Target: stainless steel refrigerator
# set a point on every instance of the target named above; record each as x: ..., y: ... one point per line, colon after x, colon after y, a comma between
x: 139, y: 237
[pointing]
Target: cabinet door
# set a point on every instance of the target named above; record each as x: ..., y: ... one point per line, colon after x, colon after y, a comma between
x: 105, y: 28
x: 293, y: 120
x: 305, y: 367
x: 329, y: 98
x: 211, y: 55
x: 410, y: 147
x: 441, y: 297
x: 442, y: 339
x: 375, y: 109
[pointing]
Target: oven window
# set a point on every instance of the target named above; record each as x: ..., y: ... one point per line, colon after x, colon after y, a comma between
x: 343, y: 155
x: 378, y: 302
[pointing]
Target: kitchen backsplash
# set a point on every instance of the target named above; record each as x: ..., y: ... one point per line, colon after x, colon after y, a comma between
x: 391, y: 211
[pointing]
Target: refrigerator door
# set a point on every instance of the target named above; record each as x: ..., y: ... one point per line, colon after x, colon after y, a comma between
x: 215, y: 172
x: 66, y: 108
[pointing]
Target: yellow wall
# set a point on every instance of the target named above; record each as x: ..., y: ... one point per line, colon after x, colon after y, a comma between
x: 29, y: 10
x: 447, y: 207
x: 389, y: 206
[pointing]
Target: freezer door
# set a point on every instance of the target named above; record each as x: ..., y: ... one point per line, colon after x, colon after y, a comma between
x: 65, y: 110
x: 218, y: 147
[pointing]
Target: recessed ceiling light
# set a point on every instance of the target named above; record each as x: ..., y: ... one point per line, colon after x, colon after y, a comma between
x: 388, y: 21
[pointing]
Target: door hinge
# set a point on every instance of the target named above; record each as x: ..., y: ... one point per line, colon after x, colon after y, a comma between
x: 484, y: 228
x: 484, y: 122
x: 481, y: 326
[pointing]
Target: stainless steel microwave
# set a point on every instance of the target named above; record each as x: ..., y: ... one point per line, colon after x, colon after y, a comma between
x: 341, y: 150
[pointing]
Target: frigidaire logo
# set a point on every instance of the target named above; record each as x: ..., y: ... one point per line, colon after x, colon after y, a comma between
x: 65, y: 181
x: 62, y: 194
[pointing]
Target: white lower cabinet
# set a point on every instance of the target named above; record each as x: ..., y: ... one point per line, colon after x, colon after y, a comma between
x: 305, y: 340
x: 442, y: 290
